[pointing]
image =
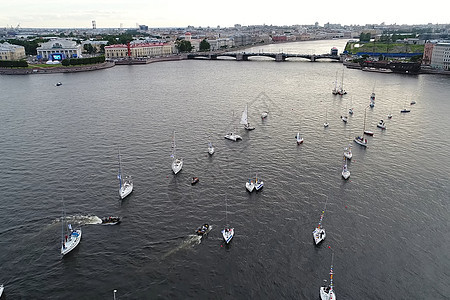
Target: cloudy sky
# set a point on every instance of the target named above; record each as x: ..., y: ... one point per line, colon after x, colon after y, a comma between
x: 177, y: 13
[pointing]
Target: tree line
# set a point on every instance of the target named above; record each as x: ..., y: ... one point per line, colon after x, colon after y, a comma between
x: 83, y: 61
x: 13, y: 64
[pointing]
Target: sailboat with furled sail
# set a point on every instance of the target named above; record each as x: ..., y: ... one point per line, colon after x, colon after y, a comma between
x: 319, y: 232
x: 125, y: 186
x: 177, y: 163
x: 360, y: 139
x: 70, y: 238
x: 327, y: 291
x: 244, y: 119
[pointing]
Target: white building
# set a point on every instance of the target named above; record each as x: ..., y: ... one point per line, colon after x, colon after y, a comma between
x: 11, y: 52
x: 222, y: 43
x: 440, y: 59
x: 67, y: 47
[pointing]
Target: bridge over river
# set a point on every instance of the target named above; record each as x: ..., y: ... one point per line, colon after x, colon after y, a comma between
x: 244, y: 56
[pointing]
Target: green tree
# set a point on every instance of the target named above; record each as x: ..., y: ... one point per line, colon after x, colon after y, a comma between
x: 205, y: 45
x: 183, y: 46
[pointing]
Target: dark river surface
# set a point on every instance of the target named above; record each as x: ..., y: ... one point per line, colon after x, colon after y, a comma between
x: 388, y: 224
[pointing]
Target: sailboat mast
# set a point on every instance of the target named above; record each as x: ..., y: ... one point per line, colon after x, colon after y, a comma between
x: 120, y: 171
x: 331, y: 273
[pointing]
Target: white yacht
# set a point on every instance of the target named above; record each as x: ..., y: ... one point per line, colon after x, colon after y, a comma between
x: 177, y: 163
x: 348, y: 152
x: 232, y: 136
x: 327, y: 291
x: 250, y: 185
x: 125, y: 186
x: 345, y: 171
x: 210, y: 148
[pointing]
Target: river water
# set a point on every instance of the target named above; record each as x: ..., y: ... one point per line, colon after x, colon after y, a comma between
x: 387, y: 225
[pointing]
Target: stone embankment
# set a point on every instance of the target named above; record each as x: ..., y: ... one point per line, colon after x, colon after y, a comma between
x: 51, y: 70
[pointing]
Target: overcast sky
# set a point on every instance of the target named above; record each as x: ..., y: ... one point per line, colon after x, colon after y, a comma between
x: 177, y: 13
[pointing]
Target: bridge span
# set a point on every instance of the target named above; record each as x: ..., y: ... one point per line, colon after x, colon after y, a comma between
x: 244, y: 56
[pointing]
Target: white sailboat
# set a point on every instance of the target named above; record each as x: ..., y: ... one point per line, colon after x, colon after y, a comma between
x: 259, y: 184
x: 232, y: 135
x: 244, y: 119
x: 335, y: 90
x: 372, y: 97
x: 177, y: 163
x: 350, y: 110
x: 345, y: 171
x: 125, y: 186
x: 250, y: 185
x: 299, y: 138
x: 326, y: 119
x: 327, y: 291
x: 210, y: 148
x: 1, y: 290
x: 319, y: 232
x: 348, y: 151
x: 341, y: 90
x: 227, y: 232
x: 69, y: 238
x: 360, y: 139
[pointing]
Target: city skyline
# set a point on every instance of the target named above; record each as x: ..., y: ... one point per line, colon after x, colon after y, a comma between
x: 176, y: 13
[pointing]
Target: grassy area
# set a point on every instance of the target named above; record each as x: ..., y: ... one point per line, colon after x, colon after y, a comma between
x: 383, y: 47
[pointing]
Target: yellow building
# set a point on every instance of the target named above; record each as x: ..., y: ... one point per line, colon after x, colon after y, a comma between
x: 11, y: 52
x: 138, y: 50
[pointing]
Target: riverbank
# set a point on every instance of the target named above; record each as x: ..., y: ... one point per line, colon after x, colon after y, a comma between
x: 59, y: 69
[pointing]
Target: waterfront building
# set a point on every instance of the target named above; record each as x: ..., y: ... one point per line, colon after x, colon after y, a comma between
x: 138, y: 50
x: 221, y: 43
x: 427, y: 53
x: 440, y: 58
x: 65, y: 47
x: 11, y: 52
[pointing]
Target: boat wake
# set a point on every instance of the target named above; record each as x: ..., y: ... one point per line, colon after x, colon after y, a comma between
x: 81, y: 220
x: 189, y: 242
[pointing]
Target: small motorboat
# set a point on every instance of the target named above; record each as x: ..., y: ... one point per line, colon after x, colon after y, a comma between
x: 343, y: 118
x: 405, y: 110
x: 325, y: 124
x: 381, y: 124
x: 372, y: 104
x: 368, y: 132
x: 58, y: 84
x: 194, y: 180
x: 264, y: 114
x: 389, y: 116
x: 249, y: 185
x: 203, y: 230
x: 350, y: 111
x: 110, y: 220
x: 413, y: 102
